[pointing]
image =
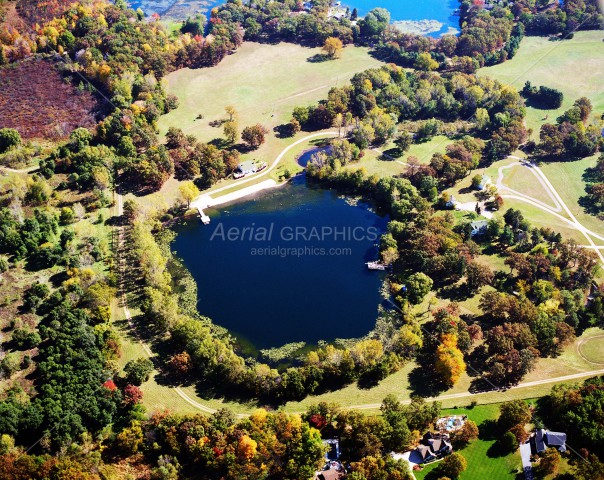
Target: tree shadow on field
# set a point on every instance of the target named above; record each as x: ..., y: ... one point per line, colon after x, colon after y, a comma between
x: 481, y: 385
x: 434, y: 474
x: 423, y: 381
x: 283, y: 131
x: 220, y: 143
x: 391, y: 154
x: 318, y: 58
x: 456, y: 293
x: 244, y: 148
x: 489, y: 430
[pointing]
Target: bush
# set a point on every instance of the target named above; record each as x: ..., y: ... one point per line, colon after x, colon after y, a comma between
x: 9, y: 137
x: 10, y: 364
x: 138, y: 371
x: 508, y: 442
x: 35, y: 295
x: 25, y: 339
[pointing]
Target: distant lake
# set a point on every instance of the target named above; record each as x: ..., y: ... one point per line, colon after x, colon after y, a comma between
x: 274, y: 298
x: 439, y: 10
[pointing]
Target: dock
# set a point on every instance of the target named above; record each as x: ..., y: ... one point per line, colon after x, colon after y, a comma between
x: 375, y: 266
x: 204, y: 218
x: 206, y: 201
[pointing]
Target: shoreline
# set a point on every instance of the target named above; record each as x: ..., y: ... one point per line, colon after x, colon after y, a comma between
x: 206, y: 200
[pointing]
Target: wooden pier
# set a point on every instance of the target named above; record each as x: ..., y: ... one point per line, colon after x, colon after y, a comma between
x: 204, y: 218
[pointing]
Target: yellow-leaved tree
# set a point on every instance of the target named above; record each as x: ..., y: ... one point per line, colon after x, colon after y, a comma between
x: 449, y: 362
x: 333, y: 47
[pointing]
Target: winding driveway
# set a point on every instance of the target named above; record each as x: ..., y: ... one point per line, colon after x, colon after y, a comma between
x: 555, y: 196
x: 255, y: 176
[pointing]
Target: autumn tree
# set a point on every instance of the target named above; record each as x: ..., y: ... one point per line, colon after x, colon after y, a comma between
x: 132, y: 395
x: 188, y: 192
x: 131, y: 210
x: 333, y: 47
x: 231, y: 131
x: 130, y: 438
x: 513, y: 412
x: 254, y: 135
x: 425, y: 62
x: 293, y: 127
x: 478, y: 275
x: 549, y: 463
x: 180, y: 363
x: 453, y: 465
x: 231, y: 112
x: 449, y: 363
x: 466, y: 434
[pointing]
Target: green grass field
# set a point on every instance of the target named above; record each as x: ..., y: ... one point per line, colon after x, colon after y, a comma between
x: 264, y: 83
x: 592, y: 350
x: 567, y: 178
x: 482, y: 464
x: 574, y: 67
x: 571, y: 66
x: 375, y: 163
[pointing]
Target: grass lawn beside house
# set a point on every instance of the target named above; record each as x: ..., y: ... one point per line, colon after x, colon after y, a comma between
x: 481, y: 464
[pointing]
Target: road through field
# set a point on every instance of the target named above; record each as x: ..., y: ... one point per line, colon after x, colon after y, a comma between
x: 555, y: 196
x: 263, y: 173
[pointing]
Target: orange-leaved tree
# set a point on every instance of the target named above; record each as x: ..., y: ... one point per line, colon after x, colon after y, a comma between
x: 449, y: 360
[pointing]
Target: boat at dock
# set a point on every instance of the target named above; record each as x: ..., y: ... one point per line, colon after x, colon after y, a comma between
x: 376, y: 266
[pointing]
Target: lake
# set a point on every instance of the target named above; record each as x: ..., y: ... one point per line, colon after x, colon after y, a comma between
x: 406, y: 14
x: 414, y: 10
x: 286, y: 265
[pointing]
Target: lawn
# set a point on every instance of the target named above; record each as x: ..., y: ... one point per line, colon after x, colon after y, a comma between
x: 572, y: 66
x: 592, y: 349
x: 282, y: 78
x: 385, y: 166
x: 482, y: 464
x: 567, y: 179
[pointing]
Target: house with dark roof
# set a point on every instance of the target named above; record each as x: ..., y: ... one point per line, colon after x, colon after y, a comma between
x: 433, y: 446
x: 545, y: 438
x: 478, y: 227
x: 425, y: 453
x: 440, y: 446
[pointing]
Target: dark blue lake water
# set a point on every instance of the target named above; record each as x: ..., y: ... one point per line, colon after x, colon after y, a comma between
x: 303, y: 278
x: 440, y: 10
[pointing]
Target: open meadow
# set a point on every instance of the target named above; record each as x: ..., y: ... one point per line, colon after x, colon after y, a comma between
x: 572, y: 66
x: 264, y: 83
x: 575, y: 68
